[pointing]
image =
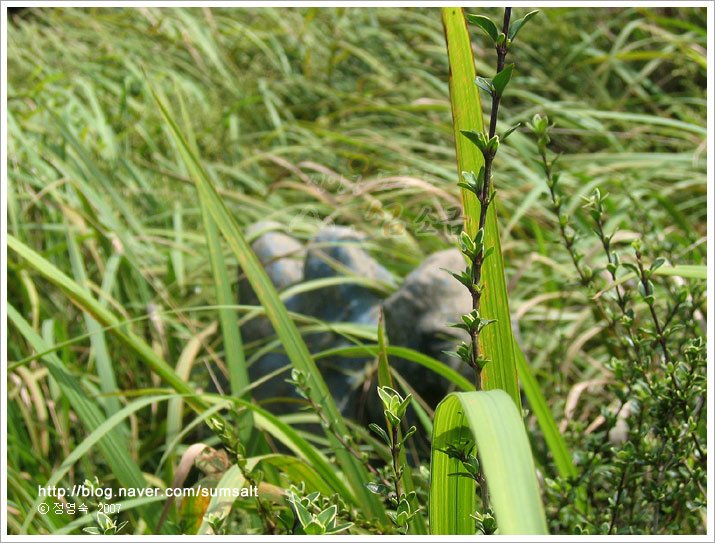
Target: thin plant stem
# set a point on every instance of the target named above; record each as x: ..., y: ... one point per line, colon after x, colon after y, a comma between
x: 484, y: 200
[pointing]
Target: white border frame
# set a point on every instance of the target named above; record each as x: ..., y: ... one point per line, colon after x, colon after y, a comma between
x: 369, y: 3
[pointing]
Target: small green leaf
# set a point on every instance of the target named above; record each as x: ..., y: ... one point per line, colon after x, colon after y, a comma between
x: 409, y: 434
x: 501, y: 80
x: 468, y: 187
x: 657, y: 263
x: 486, y: 84
x: 506, y: 134
x: 486, y: 24
x: 516, y: 25
x: 403, y: 406
x: 314, y: 528
x: 379, y: 431
x: 392, y: 418
x: 327, y: 517
x: 377, y: 488
x: 338, y: 528
x: 477, y: 138
x: 303, y: 515
x: 386, y: 395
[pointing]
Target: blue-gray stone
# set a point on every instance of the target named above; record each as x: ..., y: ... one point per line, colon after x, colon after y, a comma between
x: 418, y: 316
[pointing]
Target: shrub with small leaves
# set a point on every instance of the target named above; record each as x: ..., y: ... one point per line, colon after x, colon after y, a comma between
x: 643, y: 461
x: 404, y: 504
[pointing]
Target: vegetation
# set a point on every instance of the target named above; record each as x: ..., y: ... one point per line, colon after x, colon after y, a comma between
x: 142, y: 142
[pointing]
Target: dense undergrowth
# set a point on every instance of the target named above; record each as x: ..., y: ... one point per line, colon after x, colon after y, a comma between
x: 342, y: 116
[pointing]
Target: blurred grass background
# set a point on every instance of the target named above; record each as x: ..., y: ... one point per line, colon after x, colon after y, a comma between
x: 315, y: 116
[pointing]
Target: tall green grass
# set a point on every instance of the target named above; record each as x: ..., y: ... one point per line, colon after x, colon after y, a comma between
x: 306, y: 116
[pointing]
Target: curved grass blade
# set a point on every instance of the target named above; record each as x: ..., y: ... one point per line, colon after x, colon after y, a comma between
x: 440, y: 368
x: 220, y: 506
x: 492, y: 421
x: 105, y: 368
x: 235, y: 359
x: 297, y: 471
x: 552, y: 436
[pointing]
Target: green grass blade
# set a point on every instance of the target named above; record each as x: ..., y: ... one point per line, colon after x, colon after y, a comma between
x: 276, y: 312
x: 235, y: 359
x: 496, y: 341
x: 112, y: 446
x: 105, y: 368
x: 297, y: 471
x: 230, y: 330
x: 82, y: 298
x: 175, y: 409
x: 552, y: 436
x: 440, y: 368
x: 220, y: 506
x: 177, y: 255
x: 492, y: 420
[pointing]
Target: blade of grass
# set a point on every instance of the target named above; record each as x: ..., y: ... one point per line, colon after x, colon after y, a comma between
x: 554, y: 439
x: 177, y: 255
x: 85, y: 301
x: 105, y: 368
x: 175, y: 408
x: 233, y: 346
x: 220, y: 506
x: 297, y: 471
x: 492, y: 421
x: 496, y: 341
x: 440, y: 368
x: 112, y: 446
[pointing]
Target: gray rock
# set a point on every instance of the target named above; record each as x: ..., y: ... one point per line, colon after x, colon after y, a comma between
x: 335, y: 251
x: 418, y: 316
x: 280, y: 254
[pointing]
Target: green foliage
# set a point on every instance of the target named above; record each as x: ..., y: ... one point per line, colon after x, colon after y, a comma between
x: 643, y: 460
x: 312, y: 116
x: 475, y: 150
x: 489, y: 421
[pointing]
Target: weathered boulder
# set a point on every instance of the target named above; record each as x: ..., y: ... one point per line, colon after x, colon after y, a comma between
x: 333, y: 252
x: 418, y: 316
